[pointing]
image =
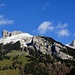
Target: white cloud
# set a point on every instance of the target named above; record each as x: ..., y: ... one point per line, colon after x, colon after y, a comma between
x: 63, y: 32
x: 5, y: 21
x: 46, y: 5
x: 47, y: 26
x: 60, y: 26
x: 44, y: 27
x: 2, y: 5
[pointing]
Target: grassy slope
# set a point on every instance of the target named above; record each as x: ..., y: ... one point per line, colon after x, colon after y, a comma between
x: 9, y: 72
x: 22, y: 58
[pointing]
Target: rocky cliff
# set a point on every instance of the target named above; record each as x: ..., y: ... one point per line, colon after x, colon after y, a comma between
x: 6, y: 33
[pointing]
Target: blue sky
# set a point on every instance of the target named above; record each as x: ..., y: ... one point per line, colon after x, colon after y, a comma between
x: 53, y: 18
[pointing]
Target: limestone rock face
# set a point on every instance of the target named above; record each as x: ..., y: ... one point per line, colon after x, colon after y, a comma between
x: 6, y: 33
x: 16, y: 32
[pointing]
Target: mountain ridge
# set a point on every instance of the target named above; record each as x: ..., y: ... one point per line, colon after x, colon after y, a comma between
x: 40, y: 41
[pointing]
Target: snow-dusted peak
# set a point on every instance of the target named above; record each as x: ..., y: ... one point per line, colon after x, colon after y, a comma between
x: 71, y: 45
x: 15, y: 38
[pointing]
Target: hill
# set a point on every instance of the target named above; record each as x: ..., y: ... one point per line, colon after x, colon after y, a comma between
x: 24, y: 54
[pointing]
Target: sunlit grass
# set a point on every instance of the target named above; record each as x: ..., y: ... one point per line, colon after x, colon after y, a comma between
x: 5, y: 62
x: 21, y: 58
x: 9, y: 72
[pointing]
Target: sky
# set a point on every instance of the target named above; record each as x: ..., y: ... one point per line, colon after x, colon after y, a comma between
x: 52, y: 18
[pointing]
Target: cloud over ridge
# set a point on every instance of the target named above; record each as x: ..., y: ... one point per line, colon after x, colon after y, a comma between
x: 44, y: 27
x: 63, y: 32
x: 5, y: 21
x: 60, y: 29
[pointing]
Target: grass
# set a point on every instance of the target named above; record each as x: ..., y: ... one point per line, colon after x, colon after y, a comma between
x: 21, y: 58
x: 9, y: 72
x: 5, y: 62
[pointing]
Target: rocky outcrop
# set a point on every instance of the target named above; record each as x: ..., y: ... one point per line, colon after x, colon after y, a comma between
x: 73, y: 43
x: 16, y: 32
x: 6, y: 33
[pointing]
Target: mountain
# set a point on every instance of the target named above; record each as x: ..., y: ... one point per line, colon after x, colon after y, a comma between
x: 71, y: 45
x: 40, y: 41
x: 15, y: 38
x: 6, y: 33
x: 22, y: 53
